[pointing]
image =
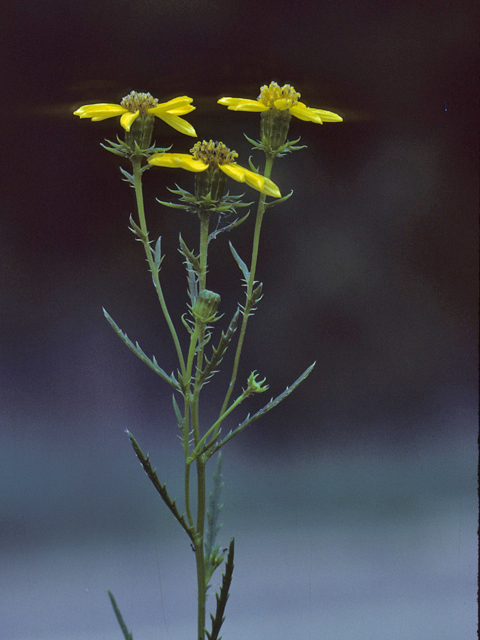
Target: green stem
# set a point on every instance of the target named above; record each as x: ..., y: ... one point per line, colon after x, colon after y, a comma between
x: 186, y: 428
x: 199, y: 548
x: 251, y: 281
x: 201, y: 483
x: 214, y: 430
x: 137, y: 181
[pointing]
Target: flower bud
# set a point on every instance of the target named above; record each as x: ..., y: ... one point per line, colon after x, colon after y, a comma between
x: 206, y: 306
x: 253, y: 386
x: 274, y: 126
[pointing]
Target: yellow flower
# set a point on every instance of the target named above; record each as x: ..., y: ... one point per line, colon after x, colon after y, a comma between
x: 142, y: 104
x: 215, y: 154
x: 274, y: 97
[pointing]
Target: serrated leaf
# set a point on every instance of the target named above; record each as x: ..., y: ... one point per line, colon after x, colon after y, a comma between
x: 228, y: 227
x: 218, y: 353
x: 240, y: 262
x: 180, y: 418
x: 153, y: 364
x: 157, y: 254
x: 279, y: 200
x: 270, y: 405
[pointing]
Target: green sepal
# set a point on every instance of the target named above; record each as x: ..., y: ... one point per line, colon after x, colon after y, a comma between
x: 270, y: 405
x: 192, y: 204
x: 252, y: 166
x: 124, y: 150
x: 287, y: 147
x: 153, y: 364
x: 256, y: 144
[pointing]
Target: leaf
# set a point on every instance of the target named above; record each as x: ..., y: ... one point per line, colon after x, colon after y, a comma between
x: 157, y: 254
x: 218, y: 353
x: 213, y: 513
x: 180, y: 418
x: 126, y: 633
x: 153, y: 364
x: 278, y: 200
x: 161, y: 488
x: 241, y: 263
x: 228, y: 227
x: 270, y: 405
x: 222, y: 598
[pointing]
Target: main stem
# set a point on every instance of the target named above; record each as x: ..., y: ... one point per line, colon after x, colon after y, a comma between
x: 251, y: 281
x: 201, y: 484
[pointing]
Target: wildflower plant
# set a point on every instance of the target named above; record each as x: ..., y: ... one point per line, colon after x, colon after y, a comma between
x: 200, y: 346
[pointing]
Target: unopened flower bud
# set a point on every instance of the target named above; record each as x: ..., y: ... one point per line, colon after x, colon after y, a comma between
x: 255, y: 387
x: 206, y: 306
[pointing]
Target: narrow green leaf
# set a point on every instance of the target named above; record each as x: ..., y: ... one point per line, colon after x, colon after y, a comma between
x: 270, y: 405
x: 218, y: 353
x: 153, y: 364
x: 128, y: 635
x: 240, y: 262
x: 278, y: 200
x: 180, y: 418
x: 222, y: 598
x: 162, y: 489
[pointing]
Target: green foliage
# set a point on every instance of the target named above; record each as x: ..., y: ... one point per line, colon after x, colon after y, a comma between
x: 153, y: 364
x: 128, y: 635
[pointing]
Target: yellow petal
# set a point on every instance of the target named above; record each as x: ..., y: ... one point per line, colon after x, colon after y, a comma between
x: 319, y: 116
x: 181, y: 104
x: 254, y: 180
x: 178, y: 123
x: 328, y: 116
x: 304, y: 113
x: 178, y: 161
x: 128, y: 119
x: 100, y: 111
x: 181, y: 111
x: 282, y: 105
x: 242, y: 104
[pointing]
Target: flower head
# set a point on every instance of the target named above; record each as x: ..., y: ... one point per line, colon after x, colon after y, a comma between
x: 274, y: 97
x: 220, y: 162
x: 143, y: 106
x: 277, y: 105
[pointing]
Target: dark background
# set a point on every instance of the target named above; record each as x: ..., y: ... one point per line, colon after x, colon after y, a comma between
x: 371, y: 269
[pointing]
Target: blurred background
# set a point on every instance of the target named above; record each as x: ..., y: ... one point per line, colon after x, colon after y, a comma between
x: 354, y: 503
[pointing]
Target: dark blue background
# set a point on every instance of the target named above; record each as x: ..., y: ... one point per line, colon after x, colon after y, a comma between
x: 370, y: 269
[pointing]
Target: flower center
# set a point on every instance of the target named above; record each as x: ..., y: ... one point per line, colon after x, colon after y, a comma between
x: 269, y: 94
x: 139, y: 102
x: 213, y: 153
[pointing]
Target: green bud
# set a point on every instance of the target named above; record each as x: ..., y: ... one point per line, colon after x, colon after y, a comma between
x: 212, y: 181
x: 274, y: 126
x: 140, y: 132
x: 206, y: 306
x: 253, y: 386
